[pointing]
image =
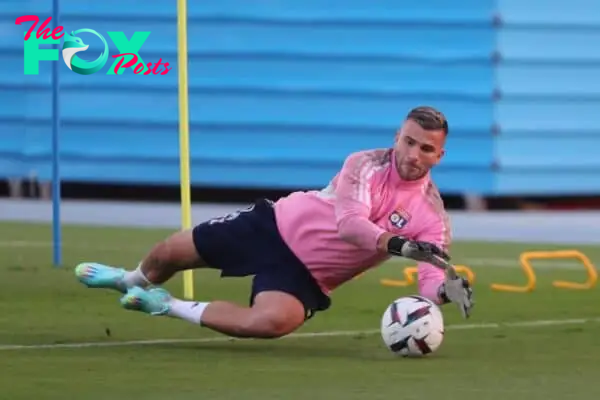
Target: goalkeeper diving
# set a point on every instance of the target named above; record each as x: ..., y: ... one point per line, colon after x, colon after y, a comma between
x: 300, y: 248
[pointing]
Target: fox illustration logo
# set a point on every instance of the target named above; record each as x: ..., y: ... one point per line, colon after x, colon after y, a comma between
x: 73, y: 45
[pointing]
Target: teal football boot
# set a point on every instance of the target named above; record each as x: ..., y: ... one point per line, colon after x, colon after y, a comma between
x: 155, y: 301
x: 101, y: 276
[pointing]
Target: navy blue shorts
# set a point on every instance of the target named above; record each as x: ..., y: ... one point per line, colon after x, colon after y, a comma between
x: 248, y: 243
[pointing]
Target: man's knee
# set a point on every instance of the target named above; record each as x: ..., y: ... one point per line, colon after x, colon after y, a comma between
x: 270, y: 326
x: 274, y: 315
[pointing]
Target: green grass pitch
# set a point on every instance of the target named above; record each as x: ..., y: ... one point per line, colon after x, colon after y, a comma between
x: 42, y: 305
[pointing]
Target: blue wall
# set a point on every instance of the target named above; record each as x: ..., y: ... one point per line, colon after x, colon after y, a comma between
x: 550, y: 83
x: 280, y: 92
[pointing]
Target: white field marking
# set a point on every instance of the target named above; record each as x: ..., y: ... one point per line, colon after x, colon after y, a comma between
x: 475, y: 262
x: 307, y: 335
x: 80, y: 245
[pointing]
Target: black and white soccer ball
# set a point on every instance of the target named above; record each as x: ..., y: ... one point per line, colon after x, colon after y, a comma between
x: 412, y: 326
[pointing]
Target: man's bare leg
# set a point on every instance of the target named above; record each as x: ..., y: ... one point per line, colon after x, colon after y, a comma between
x: 274, y: 314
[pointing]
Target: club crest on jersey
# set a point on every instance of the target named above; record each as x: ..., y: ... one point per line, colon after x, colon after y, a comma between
x: 399, y: 218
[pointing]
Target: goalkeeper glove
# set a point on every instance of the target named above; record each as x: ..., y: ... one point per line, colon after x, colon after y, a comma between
x: 453, y: 290
x: 458, y: 291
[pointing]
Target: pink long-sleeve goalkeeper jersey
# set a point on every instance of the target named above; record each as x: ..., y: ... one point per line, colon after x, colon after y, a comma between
x: 334, y: 231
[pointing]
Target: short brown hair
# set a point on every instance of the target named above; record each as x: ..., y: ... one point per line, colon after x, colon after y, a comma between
x: 429, y: 118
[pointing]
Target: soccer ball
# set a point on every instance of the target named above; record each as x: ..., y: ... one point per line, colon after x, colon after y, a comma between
x: 412, y: 326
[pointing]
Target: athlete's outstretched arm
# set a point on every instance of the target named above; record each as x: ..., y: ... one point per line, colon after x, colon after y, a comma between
x: 353, y: 207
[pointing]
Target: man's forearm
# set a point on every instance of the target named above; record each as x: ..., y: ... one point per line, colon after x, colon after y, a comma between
x: 360, y: 231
